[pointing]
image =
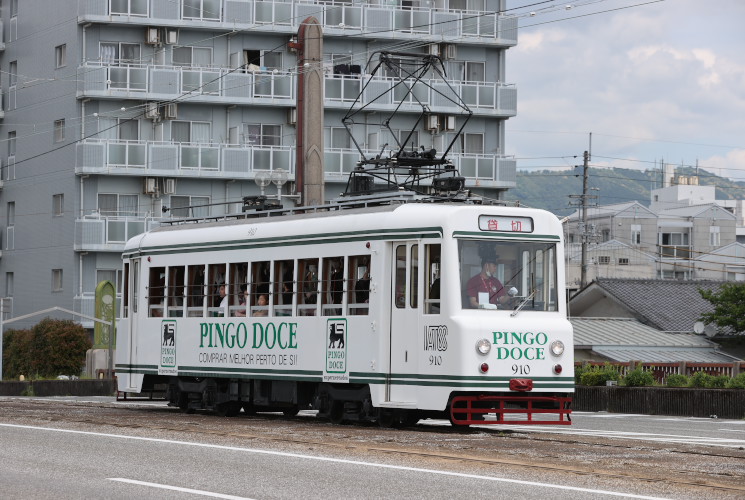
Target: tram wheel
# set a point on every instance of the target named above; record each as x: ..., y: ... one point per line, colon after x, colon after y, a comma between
x: 182, y: 401
x: 387, y: 418
x: 336, y: 413
x: 291, y: 412
x: 409, y: 418
x: 229, y: 409
x: 249, y: 409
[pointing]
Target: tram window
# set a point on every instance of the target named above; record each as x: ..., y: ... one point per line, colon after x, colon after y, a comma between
x: 414, y: 279
x: 176, y: 291
x: 135, y: 286
x: 400, y: 281
x: 332, y: 288
x: 432, y: 279
x: 260, y: 288
x: 125, y: 293
x: 156, y: 290
x: 284, y: 287
x: 524, y: 275
x: 195, y: 292
x: 237, y: 287
x: 217, y: 290
x: 358, y: 285
x: 308, y: 299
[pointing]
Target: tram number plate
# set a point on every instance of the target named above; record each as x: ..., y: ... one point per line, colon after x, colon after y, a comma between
x: 521, y: 369
x: 435, y: 360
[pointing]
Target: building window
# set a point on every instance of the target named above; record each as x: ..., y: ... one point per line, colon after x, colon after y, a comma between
x: 13, y: 8
x: 59, y: 130
x: 714, y: 236
x: 10, y: 230
x: 262, y: 135
x: 340, y: 138
x: 129, y: 7
x: 12, y: 143
x: 201, y: 9
x: 118, y: 205
x: 119, y: 53
x: 56, y: 280
x: 190, y: 132
x: 412, y: 143
x: 60, y: 56
x: 603, y: 260
x: 58, y: 204
x: 636, y: 234
x: 472, y: 143
x: 190, y: 206
x: 606, y: 234
x: 623, y: 261
x: 192, y: 57
x: 8, y: 284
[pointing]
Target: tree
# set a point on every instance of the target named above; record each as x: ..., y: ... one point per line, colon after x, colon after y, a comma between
x: 729, y: 306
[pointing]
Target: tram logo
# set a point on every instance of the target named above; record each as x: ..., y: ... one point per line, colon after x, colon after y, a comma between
x: 167, y: 364
x: 335, y: 369
x: 436, y: 338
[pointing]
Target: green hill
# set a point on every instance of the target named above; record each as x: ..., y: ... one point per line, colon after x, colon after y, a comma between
x: 550, y: 190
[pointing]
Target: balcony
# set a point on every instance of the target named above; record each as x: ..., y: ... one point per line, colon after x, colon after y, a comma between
x: 102, y: 156
x: 212, y: 85
x: 376, y: 18
x: 480, y: 170
x: 490, y: 98
x: 675, y: 252
x: 98, y: 233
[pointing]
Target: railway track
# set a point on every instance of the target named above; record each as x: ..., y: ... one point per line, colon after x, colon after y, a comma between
x: 535, y: 452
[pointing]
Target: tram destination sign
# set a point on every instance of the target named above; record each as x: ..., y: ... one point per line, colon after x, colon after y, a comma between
x: 505, y: 224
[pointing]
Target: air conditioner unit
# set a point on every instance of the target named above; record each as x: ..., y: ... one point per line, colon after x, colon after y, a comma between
x: 449, y: 122
x: 152, y: 36
x: 434, y: 49
x: 152, y: 111
x: 171, y: 111
x: 292, y: 116
x: 169, y: 186
x: 150, y: 185
x: 171, y: 36
x: 433, y: 122
x: 449, y: 51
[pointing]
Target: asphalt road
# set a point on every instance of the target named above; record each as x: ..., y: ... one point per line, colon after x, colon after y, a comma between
x: 56, y: 448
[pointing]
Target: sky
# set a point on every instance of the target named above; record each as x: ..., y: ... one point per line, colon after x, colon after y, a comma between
x: 654, y: 81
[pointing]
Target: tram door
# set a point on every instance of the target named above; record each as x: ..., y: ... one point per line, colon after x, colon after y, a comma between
x: 134, y: 295
x: 404, y: 322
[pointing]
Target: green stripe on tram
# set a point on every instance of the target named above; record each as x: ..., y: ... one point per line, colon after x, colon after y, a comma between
x: 297, y: 240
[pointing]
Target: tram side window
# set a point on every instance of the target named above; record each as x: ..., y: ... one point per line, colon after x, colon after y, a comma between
x: 414, y: 279
x: 237, y: 291
x: 400, y: 281
x: 308, y: 299
x: 358, y: 285
x: 332, y: 289
x: 217, y: 290
x: 195, y: 292
x: 125, y: 294
x: 284, y: 287
x: 260, y: 288
x: 176, y: 291
x: 156, y: 290
x: 432, y: 279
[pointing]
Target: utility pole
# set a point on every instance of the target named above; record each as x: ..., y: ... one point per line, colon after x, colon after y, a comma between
x: 586, y: 233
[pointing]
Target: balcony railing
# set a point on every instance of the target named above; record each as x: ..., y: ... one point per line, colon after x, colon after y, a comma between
x: 173, y: 158
x: 675, y: 252
x: 377, y: 18
x: 142, y: 81
x: 100, y: 233
x: 86, y: 304
x: 479, y: 96
x: 486, y: 170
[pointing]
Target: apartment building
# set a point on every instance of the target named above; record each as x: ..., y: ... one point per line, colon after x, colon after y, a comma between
x: 117, y: 114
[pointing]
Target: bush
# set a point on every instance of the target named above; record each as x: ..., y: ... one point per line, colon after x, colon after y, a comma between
x: 737, y: 382
x: 678, y: 380
x: 638, y: 378
x: 700, y: 379
x: 51, y: 348
x: 719, y: 382
x: 598, y: 375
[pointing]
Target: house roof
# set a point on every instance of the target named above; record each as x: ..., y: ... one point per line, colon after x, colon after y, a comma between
x: 698, y: 210
x: 626, y: 339
x: 627, y: 209
x: 667, y: 305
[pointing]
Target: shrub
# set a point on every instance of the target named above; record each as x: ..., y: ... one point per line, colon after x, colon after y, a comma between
x: 598, y: 375
x: 678, y: 380
x: 737, y: 382
x: 52, y: 347
x: 719, y: 382
x: 700, y: 379
x: 638, y: 378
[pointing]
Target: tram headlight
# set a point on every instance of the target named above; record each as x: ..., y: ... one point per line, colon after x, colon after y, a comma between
x: 557, y: 347
x: 483, y: 346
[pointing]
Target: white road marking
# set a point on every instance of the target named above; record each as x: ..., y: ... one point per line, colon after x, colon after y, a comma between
x: 178, y: 488
x: 337, y: 460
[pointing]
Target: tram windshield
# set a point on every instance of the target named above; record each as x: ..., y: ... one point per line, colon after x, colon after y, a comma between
x: 508, y: 275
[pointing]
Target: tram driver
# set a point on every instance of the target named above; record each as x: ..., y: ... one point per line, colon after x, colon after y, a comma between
x: 484, y: 290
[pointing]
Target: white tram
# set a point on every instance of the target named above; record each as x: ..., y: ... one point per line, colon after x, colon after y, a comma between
x: 361, y: 314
